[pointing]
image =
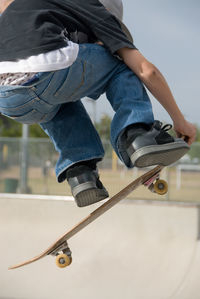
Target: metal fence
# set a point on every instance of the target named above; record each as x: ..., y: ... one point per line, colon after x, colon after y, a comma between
x: 27, y: 166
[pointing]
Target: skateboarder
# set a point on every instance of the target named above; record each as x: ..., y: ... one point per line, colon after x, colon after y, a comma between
x: 52, y: 54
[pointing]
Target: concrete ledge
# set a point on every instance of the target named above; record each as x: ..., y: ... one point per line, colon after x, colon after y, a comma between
x: 35, y: 196
x: 125, y: 201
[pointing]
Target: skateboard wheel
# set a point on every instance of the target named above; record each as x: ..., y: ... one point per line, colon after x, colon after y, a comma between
x: 161, y: 187
x: 63, y: 260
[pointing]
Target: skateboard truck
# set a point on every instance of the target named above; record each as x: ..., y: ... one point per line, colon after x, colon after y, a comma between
x: 63, y: 255
x: 156, y: 185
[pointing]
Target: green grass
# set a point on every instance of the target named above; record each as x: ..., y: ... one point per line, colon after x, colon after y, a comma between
x: 114, y: 181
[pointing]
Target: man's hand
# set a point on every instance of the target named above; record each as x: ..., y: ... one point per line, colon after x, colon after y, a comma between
x: 186, y: 130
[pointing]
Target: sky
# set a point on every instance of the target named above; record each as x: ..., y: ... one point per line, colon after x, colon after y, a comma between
x: 167, y: 32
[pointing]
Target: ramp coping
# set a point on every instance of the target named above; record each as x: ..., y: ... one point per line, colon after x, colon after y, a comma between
x: 125, y: 201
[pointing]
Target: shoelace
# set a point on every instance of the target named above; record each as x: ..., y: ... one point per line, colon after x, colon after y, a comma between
x: 160, y: 127
x: 166, y: 127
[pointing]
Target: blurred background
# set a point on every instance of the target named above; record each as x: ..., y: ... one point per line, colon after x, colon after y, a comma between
x: 27, y: 166
x: 146, y: 247
x: 167, y: 33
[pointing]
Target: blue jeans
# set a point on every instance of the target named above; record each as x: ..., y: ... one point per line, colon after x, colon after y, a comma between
x: 53, y: 99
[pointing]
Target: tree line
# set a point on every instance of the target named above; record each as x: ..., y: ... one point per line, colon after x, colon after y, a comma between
x: 11, y: 128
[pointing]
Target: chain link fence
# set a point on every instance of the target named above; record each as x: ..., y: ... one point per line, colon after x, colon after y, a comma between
x: 27, y: 166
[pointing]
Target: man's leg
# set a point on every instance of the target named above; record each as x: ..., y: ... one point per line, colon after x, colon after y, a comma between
x: 79, y: 148
x: 136, y: 137
x: 132, y: 107
x: 71, y: 130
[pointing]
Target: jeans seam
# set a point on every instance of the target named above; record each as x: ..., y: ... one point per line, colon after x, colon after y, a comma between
x: 82, y: 81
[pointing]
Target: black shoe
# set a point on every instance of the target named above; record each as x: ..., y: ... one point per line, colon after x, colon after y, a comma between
x: 155, y: 146
x: 85, y: 185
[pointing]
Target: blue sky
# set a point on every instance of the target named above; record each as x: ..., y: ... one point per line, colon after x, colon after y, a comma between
x: 167, y: 34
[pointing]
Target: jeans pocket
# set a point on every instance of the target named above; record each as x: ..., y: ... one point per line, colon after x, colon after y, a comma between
x: 29, y: 117
x: 10, y: 91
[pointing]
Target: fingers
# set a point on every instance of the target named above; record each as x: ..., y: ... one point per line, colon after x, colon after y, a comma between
x: 189, y: 141
x: 187, y: 131
x: 185, y: 138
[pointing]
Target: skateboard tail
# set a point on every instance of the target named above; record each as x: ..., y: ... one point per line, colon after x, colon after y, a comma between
x: 21, y: 265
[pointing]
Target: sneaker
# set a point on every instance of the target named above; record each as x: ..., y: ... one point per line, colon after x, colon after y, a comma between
x: 85, y: 185
x: 155, y: 146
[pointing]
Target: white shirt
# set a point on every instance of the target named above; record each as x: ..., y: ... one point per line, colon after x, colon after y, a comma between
x: 50, y: 61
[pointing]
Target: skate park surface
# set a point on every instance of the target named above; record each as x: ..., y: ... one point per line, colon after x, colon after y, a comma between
x: 138, y: 249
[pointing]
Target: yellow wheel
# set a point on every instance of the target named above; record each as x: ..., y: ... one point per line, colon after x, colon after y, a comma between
x: 63, y: 260
x: 161, y: 187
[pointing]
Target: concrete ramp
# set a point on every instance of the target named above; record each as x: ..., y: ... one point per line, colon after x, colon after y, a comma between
x: 137, y: 250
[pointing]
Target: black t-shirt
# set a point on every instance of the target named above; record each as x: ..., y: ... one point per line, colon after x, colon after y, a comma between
x: 31, y: 27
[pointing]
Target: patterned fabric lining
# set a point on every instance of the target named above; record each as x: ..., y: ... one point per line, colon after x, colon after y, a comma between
x: 15, y: 78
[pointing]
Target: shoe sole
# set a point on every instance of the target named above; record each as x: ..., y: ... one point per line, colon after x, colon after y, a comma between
x: 87, y: 193
x: 164, y: 155
x: 89, y: 197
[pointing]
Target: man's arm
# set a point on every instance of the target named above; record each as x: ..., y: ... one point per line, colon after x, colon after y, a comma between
x: 157, y: 85
x: 4, y: 4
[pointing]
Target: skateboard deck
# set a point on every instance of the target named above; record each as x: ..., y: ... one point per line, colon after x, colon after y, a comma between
x: 60, y: 248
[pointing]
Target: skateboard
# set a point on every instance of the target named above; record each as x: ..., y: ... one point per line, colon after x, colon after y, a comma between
x: 60, y: 248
